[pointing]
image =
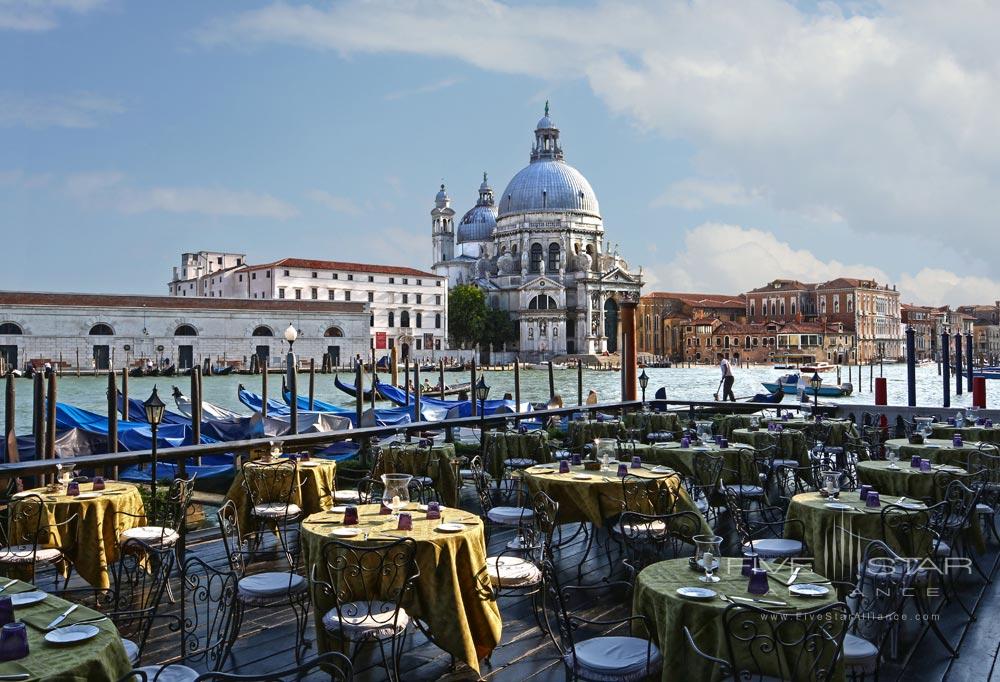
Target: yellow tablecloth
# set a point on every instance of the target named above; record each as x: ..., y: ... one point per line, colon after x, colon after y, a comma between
x: 451, y: 594
x: 90, y: 541
x: 94, y: 660
x: 586, y: 431
x: 503, y: 446
x: 314, y: 493
x: 402, y: 459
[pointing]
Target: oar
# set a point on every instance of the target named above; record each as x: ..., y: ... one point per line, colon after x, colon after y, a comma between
x: 715, y: 396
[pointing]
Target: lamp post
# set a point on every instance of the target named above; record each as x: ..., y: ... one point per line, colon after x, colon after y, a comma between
x: 290, y: 378
x: 643, y: 383
x: 815, y: 383
x: 482, y: 391
x: 154, y: 415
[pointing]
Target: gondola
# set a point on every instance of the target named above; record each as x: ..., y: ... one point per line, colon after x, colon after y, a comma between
x: 350, y: 390
x: 168, y: 371
x: 223, y: 371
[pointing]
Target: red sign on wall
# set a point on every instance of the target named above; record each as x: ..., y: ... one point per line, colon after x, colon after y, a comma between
x: 380, y: 340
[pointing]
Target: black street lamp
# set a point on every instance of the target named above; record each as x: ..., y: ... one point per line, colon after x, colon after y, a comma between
x: 816, y: 382
x: 482, y: 391
x: 154, y: 415
x: 643, y: 383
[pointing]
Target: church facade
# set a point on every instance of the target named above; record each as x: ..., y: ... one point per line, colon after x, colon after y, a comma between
x: 538, y: 250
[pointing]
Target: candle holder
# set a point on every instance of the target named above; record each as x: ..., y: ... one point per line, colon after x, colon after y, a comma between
x: 915, y: 461
x: 925, y: 465
x: 405, y: 521
x: 434, y: 510
x: 351, y: 516
x: 73, y: 489
x: 863, y: 492
x: 751, y: 560
x: 563, y: 466
x: 685, y: 442
x: 723, y: 443
x: 758, y: 581
x: 577, y: 459
x: 873, y: 500
x: 708, y: 553
x: 6, y: 610
x: 622, y: 469
x: 956, y: 440
x: 13, y: 641
x: 98, y: 483
x: 637, y: 462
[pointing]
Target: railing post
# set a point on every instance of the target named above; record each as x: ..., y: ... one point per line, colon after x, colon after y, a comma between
x: 946, y: 369
x: 911, y: 367
x: 958, y: 363
x: 112, y: 398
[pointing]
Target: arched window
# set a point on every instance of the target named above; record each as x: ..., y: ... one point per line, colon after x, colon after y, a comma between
x: 10, y: 329
x: 536, y: 258
x: 101, y: 329
x: 333, y: 331
x: 185, y: 330
x: 420, y: 320
x: 553, y: 265
x: 263, y: 331
x: 746, y: 342
x: 392, y: 319
x: 437, y: 320
x: 542, y: 302
x: 404, y: 318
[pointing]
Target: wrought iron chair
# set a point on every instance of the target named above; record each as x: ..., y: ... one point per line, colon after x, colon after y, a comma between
x: 704, y: 486
x: 369, y: 584
x: 986, y: 459
x: 207, y: 630
x: 749, y: 475
x: 600, y: 657
x: 765, y: 534
x: 161, y: 524
x: 264, y: 589
x: 649, y: 538
x: 333, y: 665
x: 370, y: 491
x: 29, y: 539
x: 762, y: 644
x: 424, y: 468
x: 494, y: 515
x: 271, y: 489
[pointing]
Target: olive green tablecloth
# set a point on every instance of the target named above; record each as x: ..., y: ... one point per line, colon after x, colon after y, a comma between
x: 838, y: 428
x: 314, y: 492
x: 101, y: 658
x: 969, y: 433
x: 651, y: 422
x: 583, y: 432
x: 937, y: 451
x: 403, y: 459
x: 502, y: 446
x: 452, y: 592
x: 904, y: 480
x: 791, y: 444
x: 599, y: 496
x: 90, y: 541
x: 656, y: 598
x: 682, y: 459
x: 831, y: 535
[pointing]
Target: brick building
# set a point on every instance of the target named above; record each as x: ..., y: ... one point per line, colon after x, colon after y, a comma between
x: 664, y: 317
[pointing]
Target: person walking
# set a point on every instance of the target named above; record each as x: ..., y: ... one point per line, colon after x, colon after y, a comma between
x: 727, y: 381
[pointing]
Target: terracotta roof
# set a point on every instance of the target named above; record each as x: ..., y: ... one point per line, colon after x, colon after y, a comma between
x: 66, y: 300
x: 705, y: 300
x: 367, y: 268
x: 786, y: 285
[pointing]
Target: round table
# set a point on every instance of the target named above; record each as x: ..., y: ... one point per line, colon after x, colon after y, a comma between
x: 839, y: 428
x: 90, y: 541
x: 101, y: 658
x: 586, y: 431
x: 969, y: 433
x: 790, y: 444
x: 502, y: 446
x: 831, y: 534
x: 452, y: 592
x: 314, y: 493
x: 938, y: 451
x: 903, y: 480
x: 655, y: 596
x: 682, y: 459
x: 401, y: 458
x: 599, y: 496
x: 648, y: 422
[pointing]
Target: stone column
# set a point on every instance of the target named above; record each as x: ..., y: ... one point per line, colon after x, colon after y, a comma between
x: 628, y: 306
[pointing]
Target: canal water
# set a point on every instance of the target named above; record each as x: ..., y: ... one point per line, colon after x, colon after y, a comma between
x: 695, y: 383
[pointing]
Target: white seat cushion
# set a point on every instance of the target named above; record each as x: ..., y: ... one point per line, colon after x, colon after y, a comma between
x: 270, y: 584
x: 512, y: 571
x: 655, y: 528
x: 153, y: 535
x: 621, y: 659
x: 276, y: 510
x: 942, y: 549
x: 746, y: 490
x: 775, y: 547
x: 984, y: 509
x: 131, y: 650
x: 22, y: 554
x: 518, y: 462
x: 425, y: 481
x: 466, y: 474
x: 509, y: 516
x: 172, y: 673
x: 347, y: 496
x: 359, y: 623
x: 787, y: 463
x: 859, y: 652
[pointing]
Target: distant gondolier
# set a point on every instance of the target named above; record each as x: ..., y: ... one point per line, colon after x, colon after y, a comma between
x: 727, y: 381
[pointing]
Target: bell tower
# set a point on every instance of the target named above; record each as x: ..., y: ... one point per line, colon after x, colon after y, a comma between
x: 443, y: 227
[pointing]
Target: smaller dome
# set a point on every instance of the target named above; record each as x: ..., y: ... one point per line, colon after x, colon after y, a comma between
x: 441, y: 198
x: 479, y: 223
x: 544, y: 123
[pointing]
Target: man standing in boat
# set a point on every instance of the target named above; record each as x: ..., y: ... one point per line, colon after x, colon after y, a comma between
x: 727, y: 381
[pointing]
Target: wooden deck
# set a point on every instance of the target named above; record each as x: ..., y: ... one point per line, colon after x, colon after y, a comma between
x: 266, y: 640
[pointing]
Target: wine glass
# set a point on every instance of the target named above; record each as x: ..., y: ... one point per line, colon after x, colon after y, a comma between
x: 708, y: 550
x: 396, y: 492
x: 831, y: 483
x: 893, y: 455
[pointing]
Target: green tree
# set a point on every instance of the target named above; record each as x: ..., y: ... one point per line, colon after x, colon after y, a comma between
x: 466, y: 315
x: 498, y: 329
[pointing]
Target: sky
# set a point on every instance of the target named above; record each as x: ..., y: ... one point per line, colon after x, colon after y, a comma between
x: 729, y: 143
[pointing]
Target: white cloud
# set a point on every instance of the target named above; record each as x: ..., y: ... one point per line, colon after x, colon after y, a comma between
x: 697, y: 193
x: 428, y: 88
x: 110, y: 189
x: 41, y: 15
x: 73, y: 110
x: 932, y: 286
x: 333, y: 202
x: 883, y: 119
x: 21, y: 179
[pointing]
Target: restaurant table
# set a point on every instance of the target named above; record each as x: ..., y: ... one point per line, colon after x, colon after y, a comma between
x: 655, y: 597
x: 831, y: 535
x: 502, y: 446
x: 599, y: 496
x: 314, y: 493
x: 839, y: 428
x: 98, y: 659
x: 938, y: 451
x: 90, y: 541
x: 402, y: 459
x: 791, y: 444
x: 682, y: 459
x: 582, y: 432
x: 451, y: 595
x: 650, y: 422
x: 969, y: 433
x: 903, y: 480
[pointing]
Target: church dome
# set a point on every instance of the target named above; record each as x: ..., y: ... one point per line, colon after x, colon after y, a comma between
x: 548, y: 183
x: 478, y: 224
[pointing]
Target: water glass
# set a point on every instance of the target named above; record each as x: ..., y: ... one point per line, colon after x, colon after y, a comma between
x: 433, y: 510
x: 708, y: 553
x: 915, y: 461
x: 576, y: 458
x: 723, y: 443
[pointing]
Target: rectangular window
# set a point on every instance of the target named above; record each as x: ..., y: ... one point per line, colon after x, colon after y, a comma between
x: 406, y: 281
x: 241, y: 278
x: 418, y: 299
x: 406, y: 298
x: 286, y: 273
x: 253, y: 275
x: 336, y: 276
x: 392, y: 280
x: 298, y: 294
x: 315, y: 293
x: 331, y: 295
x: 420, y: 282
x: 437, y: 283
x: 315, y: 275
x: 268, y: 275
x: 281, y: 292
x: 371, y: 278
x: 437, y: 299
x: 347, y: 295
x: 350, y: 277
x: 371, y: 296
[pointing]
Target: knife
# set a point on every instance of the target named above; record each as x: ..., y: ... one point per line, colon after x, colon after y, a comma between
x: 61, y: 617
x: 793, y: 576
x: 15, y: 676
x: 4, y: 587
x: 758, y: 601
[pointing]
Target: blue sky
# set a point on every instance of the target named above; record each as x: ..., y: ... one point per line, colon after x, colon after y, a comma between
x: 728, y: 143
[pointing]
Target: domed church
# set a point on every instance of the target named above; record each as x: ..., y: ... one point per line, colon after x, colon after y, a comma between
x: 538, y: 250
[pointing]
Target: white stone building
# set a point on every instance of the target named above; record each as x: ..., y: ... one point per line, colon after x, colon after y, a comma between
x: 408, y: 308
x: 98, y: 330
x: 539, y: 251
